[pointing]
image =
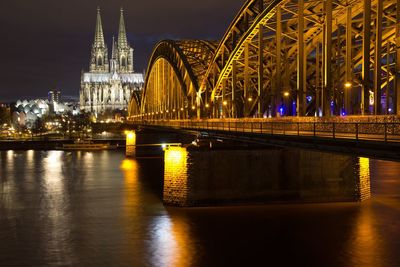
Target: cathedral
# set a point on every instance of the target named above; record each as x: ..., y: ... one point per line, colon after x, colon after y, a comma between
x: 110, y: 82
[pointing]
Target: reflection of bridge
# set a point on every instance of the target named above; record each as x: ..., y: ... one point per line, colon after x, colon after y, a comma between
x: 282, y: 58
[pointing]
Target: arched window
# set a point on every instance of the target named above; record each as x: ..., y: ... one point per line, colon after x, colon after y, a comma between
x: 123, y: 61
x: 99, y: 61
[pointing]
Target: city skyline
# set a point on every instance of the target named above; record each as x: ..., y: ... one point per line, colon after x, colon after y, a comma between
x: 48, y: 50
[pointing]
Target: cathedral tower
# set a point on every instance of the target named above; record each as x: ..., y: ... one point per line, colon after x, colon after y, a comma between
x: 124, y: 53
x: 110, y: 83
x: 99, y: 58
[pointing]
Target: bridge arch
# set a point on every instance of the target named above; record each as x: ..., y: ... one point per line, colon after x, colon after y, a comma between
x: 172, y: 79
x: 134, y: 104
x: 285, y: 57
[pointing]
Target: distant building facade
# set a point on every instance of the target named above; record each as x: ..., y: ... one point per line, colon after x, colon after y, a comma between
x: 26, y: 112
x: 54, y: 96
x: 110, y: 82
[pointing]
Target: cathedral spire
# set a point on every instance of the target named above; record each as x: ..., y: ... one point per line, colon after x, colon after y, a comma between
x: 99, y: 36
x: 114, y: 47
x: 99, y: 59
x: 122, y: 40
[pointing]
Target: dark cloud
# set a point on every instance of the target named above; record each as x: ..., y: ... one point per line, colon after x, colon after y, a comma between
x: 46, y: 43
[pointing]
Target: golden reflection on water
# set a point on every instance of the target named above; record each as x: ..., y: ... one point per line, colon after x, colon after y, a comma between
x: 86, y: 159
x: 184, y: 251
x: 365, y: 244
x: 132, y: 185
x: 30, y: 156
x: 171, y: 244
x: 57, y: 205
x: 10, y: 161
x: 169, y: 235
x: 365, y: 179
x: 53, y: 171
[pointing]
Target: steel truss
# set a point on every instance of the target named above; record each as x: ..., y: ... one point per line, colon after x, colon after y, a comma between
x: 284, y: 58
x: 172, y: 80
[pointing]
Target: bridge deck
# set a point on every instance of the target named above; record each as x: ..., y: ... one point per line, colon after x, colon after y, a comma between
x: 385, y: 132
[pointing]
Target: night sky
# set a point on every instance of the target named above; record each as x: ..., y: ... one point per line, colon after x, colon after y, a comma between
x: 45, y: 44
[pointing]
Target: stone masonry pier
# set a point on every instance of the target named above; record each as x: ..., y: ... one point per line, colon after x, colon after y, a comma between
x: 200, y: 177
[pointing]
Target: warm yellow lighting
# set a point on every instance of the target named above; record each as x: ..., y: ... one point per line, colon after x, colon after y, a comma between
x: 193, y: 107
x: 181, y: 109
x: 250, y: 99
x: 225, y: 103
x: 365, y: 179
x: 130, y: 138
x: 286, y: 94
x: 364, y: 165
x: 128, y: 165
x: 130, y: 143
x: 348, y: 85
x: 175, y: 160
x: 207, y: 105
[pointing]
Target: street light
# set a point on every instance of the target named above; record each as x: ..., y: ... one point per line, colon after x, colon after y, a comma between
x: 207, y: 105
x: 348, y: 85
x: 286, y: 94
x: 250, y: 99
x: 225, y: 103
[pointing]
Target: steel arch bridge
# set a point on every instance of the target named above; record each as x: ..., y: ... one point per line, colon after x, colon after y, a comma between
x: 283, y: 58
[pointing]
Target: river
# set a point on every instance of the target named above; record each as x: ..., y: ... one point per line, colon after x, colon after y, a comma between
x: 100, y: 209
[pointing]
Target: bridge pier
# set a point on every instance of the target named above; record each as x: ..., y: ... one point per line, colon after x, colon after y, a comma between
x: 198, y: 177
x: 130, y: 144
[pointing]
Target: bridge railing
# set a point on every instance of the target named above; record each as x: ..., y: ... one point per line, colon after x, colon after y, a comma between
x: 375, y: 131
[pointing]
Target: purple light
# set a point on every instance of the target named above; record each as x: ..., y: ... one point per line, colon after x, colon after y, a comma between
x: 281, y: 111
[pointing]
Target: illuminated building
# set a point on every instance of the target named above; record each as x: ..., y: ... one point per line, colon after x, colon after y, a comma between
x: 54, y: 96
x: 110, y: 83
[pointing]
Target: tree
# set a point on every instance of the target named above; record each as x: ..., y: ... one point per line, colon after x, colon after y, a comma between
x: 38, y: 127
x: 5, y: 115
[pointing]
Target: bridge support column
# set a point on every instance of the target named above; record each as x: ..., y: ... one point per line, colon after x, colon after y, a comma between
x: 378, y: 59
x: 261, y: 93
x: 366, y: 60
x: 234, y: 85
x: 130, y: 144
x: 301, y: 64
x: 349, y: 57
x: 246, y: 95
x: 397, y: 74
x: 328, y: 84
x: 277, y: 89
x: 224, y: 104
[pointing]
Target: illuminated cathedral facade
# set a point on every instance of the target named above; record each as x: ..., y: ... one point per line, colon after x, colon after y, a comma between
x: 110, y: 82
